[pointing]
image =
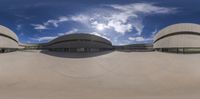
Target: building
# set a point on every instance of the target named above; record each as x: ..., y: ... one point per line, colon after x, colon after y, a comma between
x: 79, y: 43
x: 178, y: 38
x: 135, y: 47
x: 32, y: 46
x: 8, y: 40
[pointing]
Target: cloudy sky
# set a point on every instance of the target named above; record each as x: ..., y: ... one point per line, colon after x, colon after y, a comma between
x: 121, y: 21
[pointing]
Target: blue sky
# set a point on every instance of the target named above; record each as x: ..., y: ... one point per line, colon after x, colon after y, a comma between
x: 121, y: 21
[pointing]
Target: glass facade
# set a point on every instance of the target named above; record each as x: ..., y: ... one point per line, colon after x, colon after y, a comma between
x: 6, y: 50
x: 180, y: 50
x: 80, y: 49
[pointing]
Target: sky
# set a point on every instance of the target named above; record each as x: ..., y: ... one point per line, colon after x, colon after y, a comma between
x: 120, y: 21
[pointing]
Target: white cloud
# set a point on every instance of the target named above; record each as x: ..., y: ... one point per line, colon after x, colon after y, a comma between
x: 63, y: 19
x: 118, y: 18
x: 154, y: 32
x: 120, y: 27
x: 46, y: 38
x: 53, y: 22
x: 68, y: 32
x: 132, y: 38
x: 99, y: 26
x: 19, y: 27
x: 138, y: 25
x: 143, y: 8
x: 142, y: 39
x: 128, y: 17
x: 121, y: 18
x: 80, y: 18
x: 99, y: 34
x: 39, y: 26
x: 139, y: 39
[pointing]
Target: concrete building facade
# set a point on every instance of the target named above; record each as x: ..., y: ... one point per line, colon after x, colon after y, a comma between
x: 183, y: 38
x: 8, y: 40
x: 79, y: 42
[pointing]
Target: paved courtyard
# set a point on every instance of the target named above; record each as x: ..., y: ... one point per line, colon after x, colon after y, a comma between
x: 115, y: 75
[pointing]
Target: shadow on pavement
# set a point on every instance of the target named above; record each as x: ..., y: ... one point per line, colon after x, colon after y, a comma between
x: 75, y: 54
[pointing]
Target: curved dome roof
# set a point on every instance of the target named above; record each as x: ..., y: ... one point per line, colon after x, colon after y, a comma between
x: 181, y: 27
x: 183, y: 35
x: 6, y: 31
x: 81, y: 36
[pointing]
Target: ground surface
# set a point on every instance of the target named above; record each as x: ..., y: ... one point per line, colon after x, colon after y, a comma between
x: 116, y: 75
